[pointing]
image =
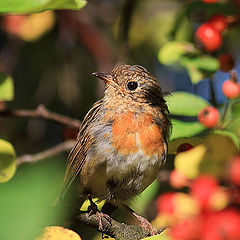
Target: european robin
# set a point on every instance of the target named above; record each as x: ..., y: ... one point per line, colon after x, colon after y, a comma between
x: 122, y: 142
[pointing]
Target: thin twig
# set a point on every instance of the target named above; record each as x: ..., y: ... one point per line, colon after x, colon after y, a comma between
x: 32, y: 158
x: 224, y: 113
x: 42, y: 112
x: 124, y: 26
x: 213, y: 95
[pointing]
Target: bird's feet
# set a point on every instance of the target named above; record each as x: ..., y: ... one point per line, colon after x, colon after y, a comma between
x: 146, y: 225
x: 143, y: 221
x: 93, y: 209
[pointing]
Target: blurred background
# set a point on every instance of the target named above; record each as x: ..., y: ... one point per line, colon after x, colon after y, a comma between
x: 51, y: 55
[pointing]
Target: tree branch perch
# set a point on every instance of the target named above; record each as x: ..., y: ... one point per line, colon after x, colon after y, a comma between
x: 120, y: 231
x: 42, y: 112
x: 32, y: 158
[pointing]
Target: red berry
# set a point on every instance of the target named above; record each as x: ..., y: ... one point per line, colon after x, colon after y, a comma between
x: 208, y: 37
x: 210, y: 1
x: 203, y: 188
x: 234, y: 171
x: 165, y: 203
x: 188, y: 229
x: 184, y: 147
x: 218, y: 22
x: 226, y: 62
x: 177, y: 179
x: 231, y: 89
x: 209, y: 117
x: 222, y: 225
x: 12, y: 23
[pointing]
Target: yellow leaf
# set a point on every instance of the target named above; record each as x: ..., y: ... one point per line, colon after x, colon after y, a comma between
x: 98, y: 236
x: 188, y: 162
x: 185, y: 205
x: 36, y: 25
x: 219, y: 200
x: 8, y: 163
x: 162, y: 236
x: 220, y: 150
x: 163, y: 220
x: 58, y: 233
x: 86, y: 204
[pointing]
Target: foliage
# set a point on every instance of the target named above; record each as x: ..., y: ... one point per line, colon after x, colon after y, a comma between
x: 200, y: 194
x: 57, y: 232
x: 7, y: 161
x: 30, y: 6
x: 6, y: 88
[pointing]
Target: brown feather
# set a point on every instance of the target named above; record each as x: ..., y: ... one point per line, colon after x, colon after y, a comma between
x: 77, y: 156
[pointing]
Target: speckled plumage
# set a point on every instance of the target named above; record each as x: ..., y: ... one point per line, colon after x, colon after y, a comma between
x: 122, y: 142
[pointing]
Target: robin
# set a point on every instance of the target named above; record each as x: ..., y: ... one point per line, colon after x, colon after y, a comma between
x: 122, y: 141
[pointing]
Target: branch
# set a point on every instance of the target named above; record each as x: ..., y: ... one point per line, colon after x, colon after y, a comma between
x: 124, y: 26
x: 117, y: 230
x: 32, y: 158
x: 42, y: 112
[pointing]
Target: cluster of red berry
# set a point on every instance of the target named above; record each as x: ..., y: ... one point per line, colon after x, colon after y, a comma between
x: 209, y: 37
x: 208, y: 211
x: 210, y: 115
x: 207, y: 208
x: 209, y: 34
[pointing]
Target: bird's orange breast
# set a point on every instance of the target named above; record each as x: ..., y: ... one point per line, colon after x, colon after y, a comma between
x: 131, y: 133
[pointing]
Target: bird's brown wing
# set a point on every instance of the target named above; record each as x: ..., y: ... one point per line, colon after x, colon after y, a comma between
x: 77, y: 156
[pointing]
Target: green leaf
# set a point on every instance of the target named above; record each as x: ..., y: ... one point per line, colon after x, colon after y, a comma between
x: 232, y: 135
x: 172, y: 52
x: 6, y: 88
x: 174, y: 144
x: 234, y: 126
x: 26, y: 201
x: 30, y: 6
x: 185, y: 104
x: 236, y: 109
x: 185, y: 129
x: 199, y: 67
x: 7, y: 161
x: 220, y: 149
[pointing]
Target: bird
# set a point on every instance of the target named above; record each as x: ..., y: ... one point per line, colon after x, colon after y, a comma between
x: 122, y: 142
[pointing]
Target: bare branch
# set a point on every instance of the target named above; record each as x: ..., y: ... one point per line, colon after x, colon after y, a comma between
x: 117, y: 230
x: 32, y: 158
x: 124, y: 26
x: 42, y: 112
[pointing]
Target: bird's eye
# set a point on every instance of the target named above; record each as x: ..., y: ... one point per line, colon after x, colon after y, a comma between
x: 132, y: 86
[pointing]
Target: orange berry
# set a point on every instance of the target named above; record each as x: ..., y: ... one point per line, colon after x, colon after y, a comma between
x: 209, y: 117
x: 177, y: 179
x: 231, y: 89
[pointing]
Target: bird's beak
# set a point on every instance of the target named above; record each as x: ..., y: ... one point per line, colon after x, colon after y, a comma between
x: 106, y: 77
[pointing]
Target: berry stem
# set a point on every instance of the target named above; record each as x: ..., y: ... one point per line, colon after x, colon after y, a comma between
x: 213, y: 95
x: 232, y: 19
x: 233, y: 76
x: 224, y: 115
